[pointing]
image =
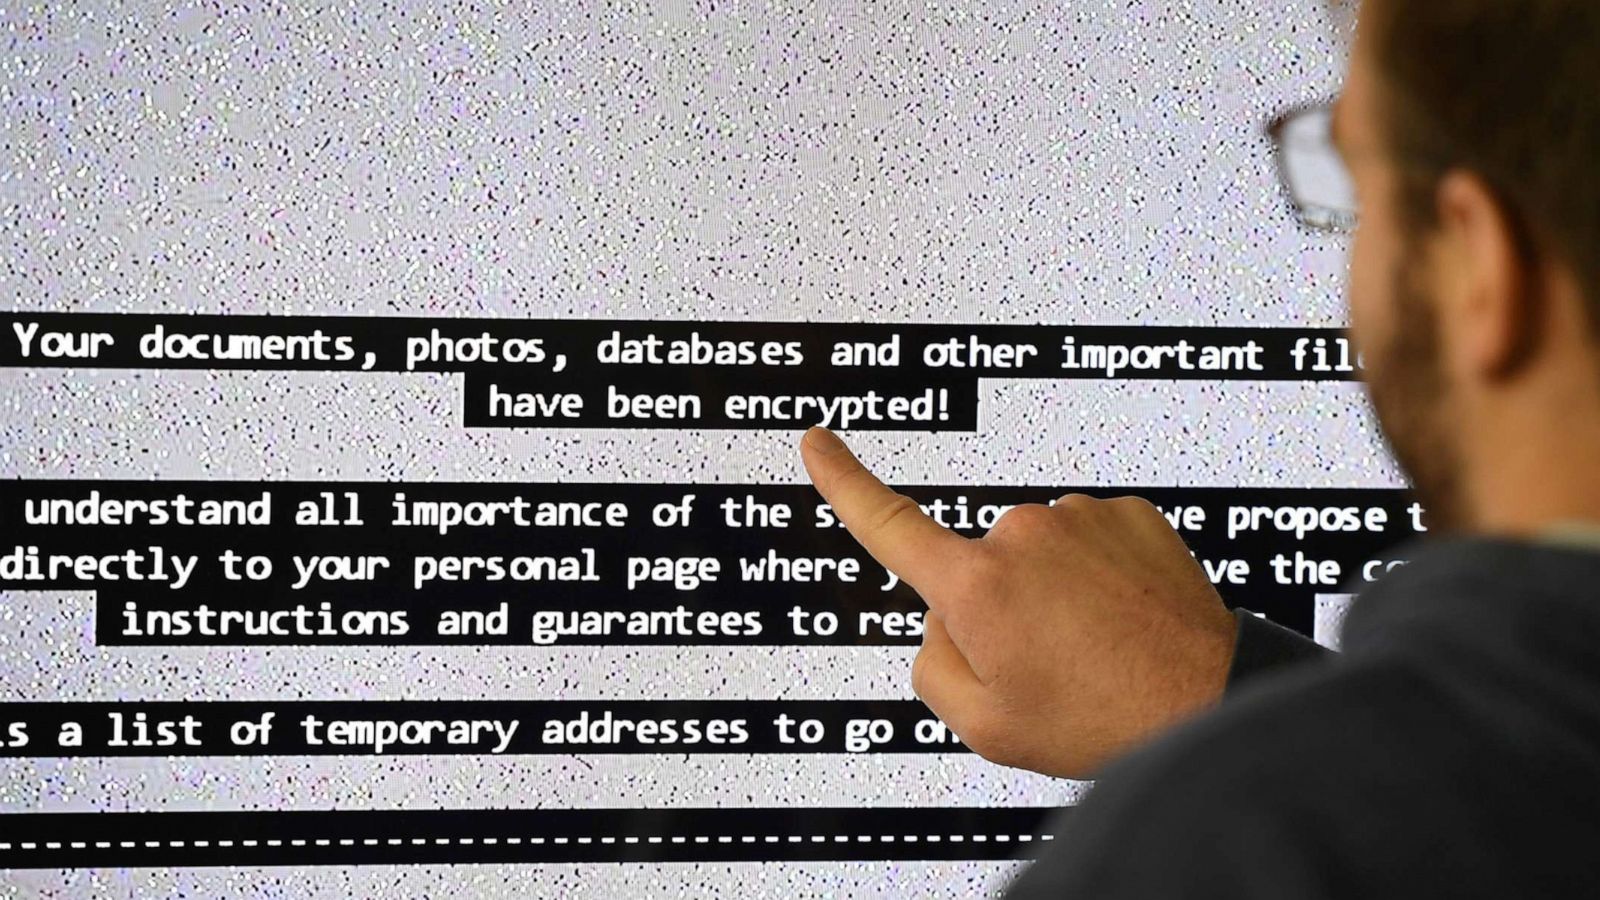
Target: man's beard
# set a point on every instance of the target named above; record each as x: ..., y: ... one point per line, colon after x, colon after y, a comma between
x: 1410, y: 396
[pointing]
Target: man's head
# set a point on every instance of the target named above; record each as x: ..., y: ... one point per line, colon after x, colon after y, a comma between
x: 1471, y: 129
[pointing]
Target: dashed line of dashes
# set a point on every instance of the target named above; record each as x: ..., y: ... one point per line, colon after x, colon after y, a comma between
x: 514, y: 841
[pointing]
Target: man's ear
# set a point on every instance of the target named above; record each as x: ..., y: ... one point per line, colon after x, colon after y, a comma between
x: 1484, y: 275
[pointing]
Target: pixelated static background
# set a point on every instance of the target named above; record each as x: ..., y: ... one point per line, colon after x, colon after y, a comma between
x: 1085, y: 162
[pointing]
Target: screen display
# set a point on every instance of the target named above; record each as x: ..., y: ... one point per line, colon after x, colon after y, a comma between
x: 401, y: 408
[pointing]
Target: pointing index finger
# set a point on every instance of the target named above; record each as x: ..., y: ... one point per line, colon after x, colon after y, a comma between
x: 889, y: 525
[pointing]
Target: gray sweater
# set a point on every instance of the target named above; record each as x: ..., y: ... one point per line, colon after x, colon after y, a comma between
x: 1451, y: 750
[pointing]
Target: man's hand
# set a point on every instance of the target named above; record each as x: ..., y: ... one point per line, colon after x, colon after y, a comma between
x: 1063, y: 637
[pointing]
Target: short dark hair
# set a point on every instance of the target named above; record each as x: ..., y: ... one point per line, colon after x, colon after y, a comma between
x: 1509, y: 89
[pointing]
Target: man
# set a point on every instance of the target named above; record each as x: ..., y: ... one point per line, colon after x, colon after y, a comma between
x: 1453, y: 749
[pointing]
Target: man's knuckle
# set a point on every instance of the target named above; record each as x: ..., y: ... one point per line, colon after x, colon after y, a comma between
x: 1075, y: 503
x: 1132, y: 503
x: 895, y: 510
x: 1026, y: 518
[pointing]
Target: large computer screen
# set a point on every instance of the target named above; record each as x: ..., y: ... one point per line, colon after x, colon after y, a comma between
x: 401, y: 406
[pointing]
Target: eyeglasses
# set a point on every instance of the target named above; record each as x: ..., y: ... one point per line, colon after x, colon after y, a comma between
x: 1313, y: 175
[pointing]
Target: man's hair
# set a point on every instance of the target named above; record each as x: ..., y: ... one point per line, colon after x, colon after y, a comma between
x: 1509, y: 89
